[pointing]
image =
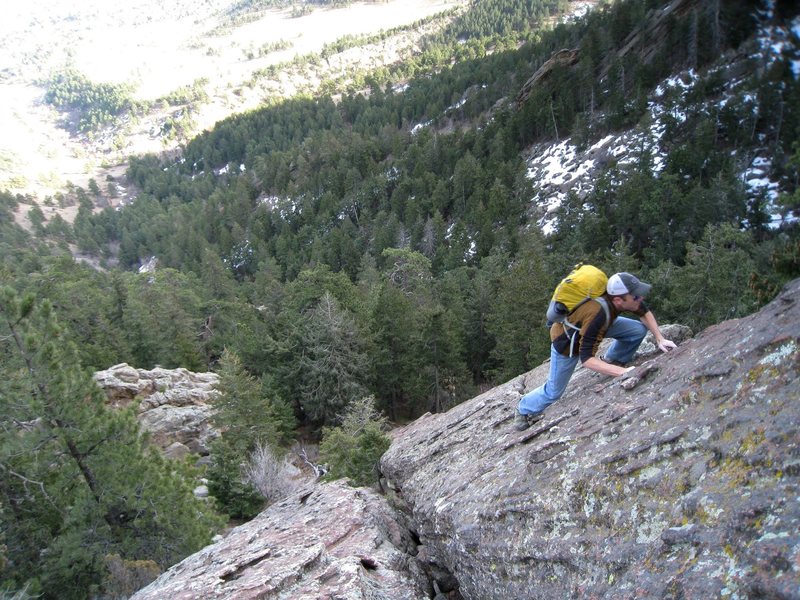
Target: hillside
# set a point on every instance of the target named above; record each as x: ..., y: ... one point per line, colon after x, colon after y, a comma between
x: 348, y: 259
x: 158, y: 48
x: 432, y: 198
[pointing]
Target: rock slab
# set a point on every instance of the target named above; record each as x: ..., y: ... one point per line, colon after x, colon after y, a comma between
x: 681, y: 480
x: 327, y: 541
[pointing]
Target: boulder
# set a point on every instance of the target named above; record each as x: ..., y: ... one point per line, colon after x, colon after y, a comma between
x: 188, y: 425
x: 676, y: 333
x: 562, y: 58
x: 173, y: 405
x: 176, y: 450
x: 326, y: 541
x: 679, y: 480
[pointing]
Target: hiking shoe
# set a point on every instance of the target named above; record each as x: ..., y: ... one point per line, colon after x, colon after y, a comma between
x: 522, y: 422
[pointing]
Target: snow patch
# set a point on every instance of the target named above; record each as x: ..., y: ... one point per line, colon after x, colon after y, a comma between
x: 419, y: 127
x: 561, y: 168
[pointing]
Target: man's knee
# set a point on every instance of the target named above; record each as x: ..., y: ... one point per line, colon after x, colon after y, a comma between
x: 634, y: 331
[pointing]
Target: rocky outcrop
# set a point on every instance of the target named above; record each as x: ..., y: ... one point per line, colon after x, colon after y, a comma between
x: 562, y: 58
x: 679, y: 481
x: 329, y: 541
x: 649, y: 39
x: 174, y: 405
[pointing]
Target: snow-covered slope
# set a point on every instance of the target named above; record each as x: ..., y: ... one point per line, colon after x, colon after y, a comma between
x: 560, y: 168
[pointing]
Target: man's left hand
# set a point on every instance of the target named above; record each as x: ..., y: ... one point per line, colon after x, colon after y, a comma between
x: 666, y: 345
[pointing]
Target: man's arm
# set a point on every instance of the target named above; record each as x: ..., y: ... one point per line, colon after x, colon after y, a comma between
x: 595, y: 364
x: 590, y: 342
x: 649, y: 321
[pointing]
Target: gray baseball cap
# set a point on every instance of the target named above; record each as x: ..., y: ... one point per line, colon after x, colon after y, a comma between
x: 620, y: 284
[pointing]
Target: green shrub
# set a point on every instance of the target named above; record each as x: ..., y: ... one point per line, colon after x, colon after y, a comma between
x: 353, y: 450
x: 235, y: 496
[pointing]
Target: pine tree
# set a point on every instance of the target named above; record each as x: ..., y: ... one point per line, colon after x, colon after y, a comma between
x: 163, y: 319
x: 248, y: 419
x: 517, y: 315
x: 442, y: 354
x: 79, y: 480
x: 713, y: 285
x: 332, y: 366
x: 353, y: 449
x: 246, y: 414
x: 394, y: 350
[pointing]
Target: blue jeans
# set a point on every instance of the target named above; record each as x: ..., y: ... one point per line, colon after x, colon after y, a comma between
x: 627, y: 335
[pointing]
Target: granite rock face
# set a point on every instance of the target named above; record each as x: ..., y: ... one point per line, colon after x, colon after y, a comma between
x: 174, y: 405
x: 681, y: 480
x: 328, y: 541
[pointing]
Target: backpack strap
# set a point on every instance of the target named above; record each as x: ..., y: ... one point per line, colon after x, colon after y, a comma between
x: 575, y: 329
x: 606, y: 309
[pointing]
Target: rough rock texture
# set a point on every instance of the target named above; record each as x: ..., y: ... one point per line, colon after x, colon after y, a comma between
x: 680, y: 481
x: 651, y: 36
x: 174, y: 404
x: 562, y: 58
x: 329, y: 541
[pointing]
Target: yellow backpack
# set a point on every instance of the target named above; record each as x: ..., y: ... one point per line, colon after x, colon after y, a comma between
x: 583, y: 283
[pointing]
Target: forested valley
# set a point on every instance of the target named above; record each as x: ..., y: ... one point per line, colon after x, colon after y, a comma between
x: 380, y: 243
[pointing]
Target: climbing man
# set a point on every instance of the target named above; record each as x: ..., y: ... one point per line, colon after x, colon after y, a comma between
x: 587, y: 325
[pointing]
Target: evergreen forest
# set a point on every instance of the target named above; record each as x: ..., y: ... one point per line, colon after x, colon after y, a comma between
x: 376, y: 242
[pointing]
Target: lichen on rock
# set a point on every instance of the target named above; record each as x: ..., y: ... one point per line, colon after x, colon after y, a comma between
x: 682, y: 485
